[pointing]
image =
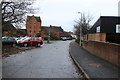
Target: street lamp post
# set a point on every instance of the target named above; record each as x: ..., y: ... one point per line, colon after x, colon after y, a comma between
x: 80, y: 29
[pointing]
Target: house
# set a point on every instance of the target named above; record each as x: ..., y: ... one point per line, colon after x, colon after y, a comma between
x: 33, y: 25
x: 54, y: 32
x: 73, y: 35
x: 21, y: 32
x: 8, y: 30
x: 67, y: 35
x: 57, y: 31
x: 105, y: 24
x: 106, y: 29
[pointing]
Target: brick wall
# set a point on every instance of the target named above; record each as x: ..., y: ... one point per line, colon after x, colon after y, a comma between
x: 9, y: 33
x: 96, y: 37
x: 106, y: 51
x: 104, y: 37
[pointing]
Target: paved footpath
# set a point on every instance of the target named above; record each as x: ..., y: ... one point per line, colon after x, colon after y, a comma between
x: 92, y: 66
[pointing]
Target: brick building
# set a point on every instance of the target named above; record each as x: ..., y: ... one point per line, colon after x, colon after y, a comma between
x: 54, y: 31
x: 33, y: 25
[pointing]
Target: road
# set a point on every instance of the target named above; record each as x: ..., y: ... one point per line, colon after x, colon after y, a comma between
x: 49, y: 61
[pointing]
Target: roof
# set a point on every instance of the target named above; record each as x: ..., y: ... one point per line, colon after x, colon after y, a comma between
x: 71, y: 33
x: 21, y: 31
x: 52, y: 29
x: 8, y: 27
x: 57, y: 29
x: 37, y: 18
x: 66, y: 33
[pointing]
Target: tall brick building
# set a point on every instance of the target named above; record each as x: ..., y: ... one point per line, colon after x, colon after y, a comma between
x: 33, y: 25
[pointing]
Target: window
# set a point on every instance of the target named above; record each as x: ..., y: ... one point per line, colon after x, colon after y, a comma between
x: 98, y: 29
x: 30, y: 31
x: 34, y: 26
x: 32, y: 39
x: 34, y: 31
x: 118, y: 28
x: 30, y: 27
x: 4, y: 38
x: 37, y: 39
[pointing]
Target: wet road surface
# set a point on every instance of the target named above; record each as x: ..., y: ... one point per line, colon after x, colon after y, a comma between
x: 49, y: 61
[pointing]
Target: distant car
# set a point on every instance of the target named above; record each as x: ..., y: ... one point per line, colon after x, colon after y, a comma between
x: 31, y: 41
x: 8, y: 41
x: 63, y: 38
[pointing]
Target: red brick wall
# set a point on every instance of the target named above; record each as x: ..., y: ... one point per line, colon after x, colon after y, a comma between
x: 95, y: 37
x: 10, y: 33
x: 44, y: 34
x: 33, y: 22
x: 106, y: 51
x: 62, y: 35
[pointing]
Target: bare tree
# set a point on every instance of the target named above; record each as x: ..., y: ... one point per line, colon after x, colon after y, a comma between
x: 14, y: 12
x: 83, y: 23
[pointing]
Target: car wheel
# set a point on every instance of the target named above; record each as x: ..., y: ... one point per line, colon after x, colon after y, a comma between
x: 14, y: 45
x: 38, y: 44
x: 41, y: 43
x: 25, y: 44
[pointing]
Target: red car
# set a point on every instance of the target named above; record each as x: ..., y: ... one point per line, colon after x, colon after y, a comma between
x: 30, y: 41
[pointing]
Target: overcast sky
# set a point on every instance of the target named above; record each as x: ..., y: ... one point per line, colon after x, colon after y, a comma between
x: 64, y: 12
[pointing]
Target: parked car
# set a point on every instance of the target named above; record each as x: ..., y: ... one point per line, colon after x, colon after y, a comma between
x: 63, y: 38
x: 69, y: 38
x: 31, y: 41
x: 17, y: 38
x: 20, y: 39
x: 8, y: 41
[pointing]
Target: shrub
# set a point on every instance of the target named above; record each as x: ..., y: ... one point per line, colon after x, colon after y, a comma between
x: 45, y: 38
x: 78, y: 41
x: 56, y: 38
